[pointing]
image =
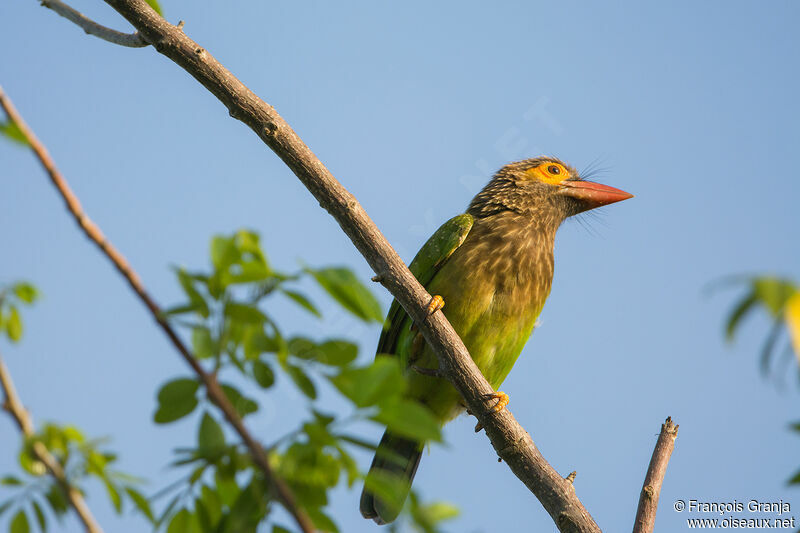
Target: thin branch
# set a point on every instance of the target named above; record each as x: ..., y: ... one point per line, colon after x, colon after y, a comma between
x: 213, y: 389
x: 131, y: 40
x: 512, y: 443
x: 651, y: 490
x: 13, y: 405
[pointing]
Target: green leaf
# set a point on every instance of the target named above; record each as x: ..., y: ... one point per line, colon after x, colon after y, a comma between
x: 113, y: 495
x: 227, y: 488
x: 795, y: 479
x: 156, y: 7
x: 309, y: 465
x: 141, y: 503
x: 322, y: 521
x: 345, y: 288
x: 280, y: 529
x: 223, y: 252
x: 741, y: 309
x: 302, y: 381
x: 29, y: 463
x: 248, y: 272
x: 210, y: 437
x: 349, y: 465
x: 176, y: 399
x: 773, y: 293
x: 318, y: 434
x: 26, y: 292
x: 257, y: 342
x: 202, y: 343
x: 14, y: 324
x: 302, y: 347
x: 168, y: 510
x: 365, y: 386
x: 176, y: 310
x: 183, y: 522
x: 73, y: 434
x: 337, y: 352
x: 411, y: 419
x: 19, y: 524
x: 55, y: 497
x: 40, y: 518
x: 439, y: 512
x: 302, y: 301
x: 356, y: 441
x: 247, y: 314
x: 243, y: 405
x: 196, y: 300
x: 263, y: 374
x: 247, y: 510
x: 12, y: 131
x: 212, y: 504
x: 10, y: 481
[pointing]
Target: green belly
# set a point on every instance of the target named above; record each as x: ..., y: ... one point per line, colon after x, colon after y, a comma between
x: 493, y: 317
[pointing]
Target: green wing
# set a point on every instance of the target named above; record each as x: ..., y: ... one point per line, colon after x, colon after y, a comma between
x: 425, y: 265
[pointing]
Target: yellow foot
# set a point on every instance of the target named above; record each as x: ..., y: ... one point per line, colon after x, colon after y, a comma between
x: 437, y: 302
x: 502, y: 400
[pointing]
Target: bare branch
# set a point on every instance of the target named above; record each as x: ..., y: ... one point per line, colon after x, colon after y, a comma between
x: 131, y: 40
x: 213, y: 389
x: 648, y: 501
x: 13, y: 405
x: 510, y: 440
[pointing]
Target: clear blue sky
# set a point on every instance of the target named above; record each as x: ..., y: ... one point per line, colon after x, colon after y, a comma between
x: 692, y: 107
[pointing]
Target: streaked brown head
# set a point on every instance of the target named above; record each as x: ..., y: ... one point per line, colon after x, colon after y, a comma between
x: 544, y: 187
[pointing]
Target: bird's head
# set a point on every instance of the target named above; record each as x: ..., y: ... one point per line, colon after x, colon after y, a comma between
x: 544, y: 187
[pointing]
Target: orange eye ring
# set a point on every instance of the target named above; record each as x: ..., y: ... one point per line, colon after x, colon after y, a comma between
x: 549, y: 172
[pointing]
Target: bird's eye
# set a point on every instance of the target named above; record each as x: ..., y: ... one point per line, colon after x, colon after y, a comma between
x: 553, y: 169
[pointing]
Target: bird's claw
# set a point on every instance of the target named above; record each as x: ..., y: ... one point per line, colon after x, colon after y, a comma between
x: 502, y: 400
x: 436, y: 303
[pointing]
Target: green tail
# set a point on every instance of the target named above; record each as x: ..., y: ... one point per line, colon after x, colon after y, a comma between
x: 396, y: 456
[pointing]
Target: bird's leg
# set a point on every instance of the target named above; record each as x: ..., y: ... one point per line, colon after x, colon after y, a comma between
x: 436, y: 303
x: 502, y: 400
x: 434, y: 372
x: 417, y: 345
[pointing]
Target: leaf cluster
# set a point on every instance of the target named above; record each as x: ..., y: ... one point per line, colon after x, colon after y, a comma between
x: 228, y: 314
x: 780, y: 298
x: 81, y: 459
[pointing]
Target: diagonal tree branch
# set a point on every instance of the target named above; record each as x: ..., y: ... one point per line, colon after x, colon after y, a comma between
x: 132, y: 40
x: 13, y: 405
x: 651, y: 490
x: 512, y: 443
x: 213, y: 389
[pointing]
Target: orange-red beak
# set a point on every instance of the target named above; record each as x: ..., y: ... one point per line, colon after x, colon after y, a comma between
x: 593, y: 194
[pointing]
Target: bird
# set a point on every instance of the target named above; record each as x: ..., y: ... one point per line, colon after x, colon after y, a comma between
x: 490, y: 271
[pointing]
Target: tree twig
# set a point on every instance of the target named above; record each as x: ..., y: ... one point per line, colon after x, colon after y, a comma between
x: 131, y: 40
x: 13, y: 405
x: 213, y: 389
x: 651, y: 490
x: 510, y: 440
